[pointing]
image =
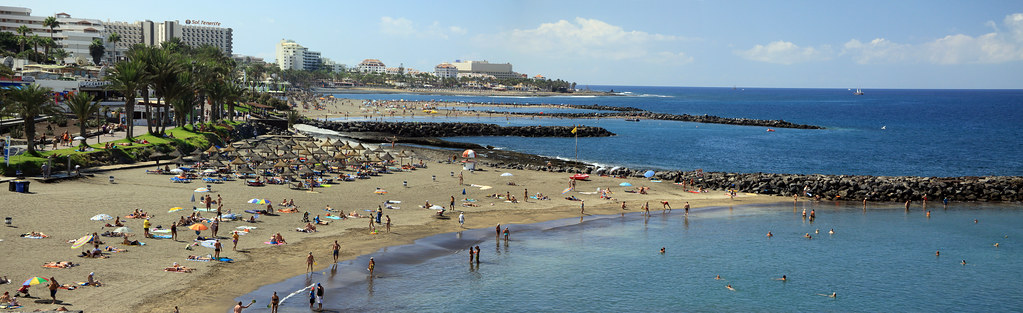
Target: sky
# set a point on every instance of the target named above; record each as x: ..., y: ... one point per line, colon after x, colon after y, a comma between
x: 786, y: 44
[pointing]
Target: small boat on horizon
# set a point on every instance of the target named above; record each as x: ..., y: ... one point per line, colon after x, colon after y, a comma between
x: 858, y: 92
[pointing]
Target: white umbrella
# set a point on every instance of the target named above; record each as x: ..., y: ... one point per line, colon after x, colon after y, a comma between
x: 177, y: 170
x: 507, y: 174
x: 101, y: 217
x: 436, y: 207
x: 78, y: 138
x: 201, y: 189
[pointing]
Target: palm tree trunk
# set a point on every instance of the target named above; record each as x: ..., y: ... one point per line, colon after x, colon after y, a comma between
x: 129, y: 109
x: 30, y: 133
x: 149, y: 111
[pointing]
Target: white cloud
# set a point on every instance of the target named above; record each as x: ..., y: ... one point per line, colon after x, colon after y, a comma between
x: 587, y: 38
x: 784, y: 52
x: 403, y: 27
x: 996, y: 47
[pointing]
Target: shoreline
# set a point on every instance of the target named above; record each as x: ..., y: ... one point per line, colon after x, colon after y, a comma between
x: 461, y: 92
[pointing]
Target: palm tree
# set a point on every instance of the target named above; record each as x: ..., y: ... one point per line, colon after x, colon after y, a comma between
x: 113, y: 39
x: 30, y: 102
x: 165, y: 70
x: 232, y: 95
x: 96, y: 50
x: 52, y: 23
x: 35, y: 40
x: 47, y: 44
x: 183, y: 95
x: 293, y: 117
x: 23, y: 30
x: 60, y: 54
x: 83, y: 106
x: 128, y: 77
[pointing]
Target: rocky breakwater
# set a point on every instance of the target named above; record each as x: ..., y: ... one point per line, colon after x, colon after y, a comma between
x: 829, y: 187
x: 677, y: 117
x: 430, y: 129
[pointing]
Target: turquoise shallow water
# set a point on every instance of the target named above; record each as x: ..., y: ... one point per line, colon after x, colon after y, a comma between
x: 879, y: 260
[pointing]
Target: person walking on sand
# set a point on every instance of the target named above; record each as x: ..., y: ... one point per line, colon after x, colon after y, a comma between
x: 216, y: 249
x: 174, y: 231
x: 461, y: 219
x: 451, y: 206
x: 274, y: 302
x: 336, y: 250
x: 372, y: 266
x: 53, y: 290
x: 460, y: 181
x: 582, y: 207
x: 309, y: 260
x: 234, y: 240
x: 387, y: 223
x: 319, y: 296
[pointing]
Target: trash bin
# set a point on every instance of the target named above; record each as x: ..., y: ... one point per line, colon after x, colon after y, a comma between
x: 10, y: 186
x: 21, y: 186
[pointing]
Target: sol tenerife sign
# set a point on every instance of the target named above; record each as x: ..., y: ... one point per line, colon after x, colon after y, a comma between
x: 199, y: 22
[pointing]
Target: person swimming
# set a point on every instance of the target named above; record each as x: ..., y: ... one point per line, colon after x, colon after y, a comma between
x: 807, y: 236
x: 831, y: 232
x: 783, y: 278
x: 769, y: 234
x: 817, y: 231
x: 964, y: 262
x: 718, y: 277
x: 662, y: 250
x: 729, y: 286
x: 937, y: 253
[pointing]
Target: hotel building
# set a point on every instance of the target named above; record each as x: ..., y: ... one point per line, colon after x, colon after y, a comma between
x: 293, y: 56
x: 483, y: 67
x: 372, y: 66
x: 74, y: 34
x: 445, y: 70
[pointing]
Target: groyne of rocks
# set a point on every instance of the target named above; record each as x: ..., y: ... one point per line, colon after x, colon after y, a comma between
x: 676, y: 117
x: 829, y: 187
x: 430, y: 129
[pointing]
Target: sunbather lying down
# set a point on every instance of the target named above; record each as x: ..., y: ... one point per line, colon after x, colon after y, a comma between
x: 61, y: 264
x: 199, y: 258
x: 178, y: 268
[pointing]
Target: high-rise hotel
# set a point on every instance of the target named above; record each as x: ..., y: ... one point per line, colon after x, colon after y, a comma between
x: 76, y: 34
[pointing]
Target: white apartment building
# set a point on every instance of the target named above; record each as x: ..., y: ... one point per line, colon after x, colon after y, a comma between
x: 445, y: 70
x: 483, y: 67
x: 372, y: 66
x: 293, y: 56
x: 74, y: 34
x: 333, y: 66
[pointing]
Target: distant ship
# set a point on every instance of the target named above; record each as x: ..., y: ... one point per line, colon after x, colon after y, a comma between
x: 858, y: 92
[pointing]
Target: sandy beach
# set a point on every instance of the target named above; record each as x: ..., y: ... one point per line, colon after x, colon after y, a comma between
x: 134, y: 280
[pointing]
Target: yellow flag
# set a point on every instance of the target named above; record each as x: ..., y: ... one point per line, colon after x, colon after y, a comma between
x: 575, y: 129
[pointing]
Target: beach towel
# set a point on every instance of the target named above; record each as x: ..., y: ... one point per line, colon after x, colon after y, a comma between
x: 178, y: 270
x: 333, y: 217
x: 160, y: 231
x: 55, y: 265
x: 247, y: 227
x: 275, y: 244
x: 289, y: 210
x: 162, y: 236
x: 34, y: 237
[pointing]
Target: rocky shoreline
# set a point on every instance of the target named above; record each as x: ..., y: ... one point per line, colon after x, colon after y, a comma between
x: 829, y: 187
x: 430, y: 129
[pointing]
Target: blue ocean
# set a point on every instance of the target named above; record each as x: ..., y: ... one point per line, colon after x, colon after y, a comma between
x: 883, y: 132
x: 879, y: 260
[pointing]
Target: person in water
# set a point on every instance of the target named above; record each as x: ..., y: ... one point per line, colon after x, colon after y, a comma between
x: 662, y: 250
x: 783, y: 278
x: 769, y: 234
x: 729, y: 286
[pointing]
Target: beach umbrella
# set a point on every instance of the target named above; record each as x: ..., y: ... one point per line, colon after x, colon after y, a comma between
x: 175, y: 209
x: 387, y: 157
x: 237, y: 161
x: 198, y: 227
x: 469, y: 153
x: 507, y: 174
x: 380, y: 191
x: 81, y: 241
x: 625, y: 185
x: 325, y: 143
x: 209, y: 171
x: 259, y: 201
x: 243, y: 145
x: 201, y: 189
x: 436, y: 207
x: 359, y: 147
x: 35, y: 281
x: 177, y: 170
x: 101, y: 217
x: 212, y: 149
x: 227, y: 149
x: 264, y: 166
x: 648, y: 174
x: 281, y: 164
x: 122, y: 230
x: 78, y: 138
